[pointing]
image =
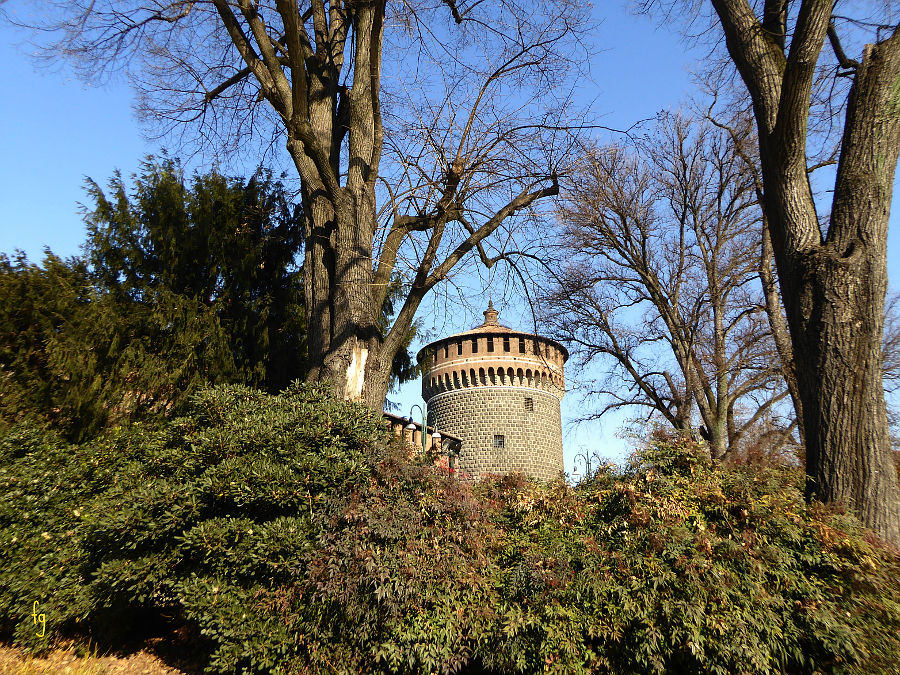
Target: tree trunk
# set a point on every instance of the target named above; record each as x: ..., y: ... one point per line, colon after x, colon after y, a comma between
x: 346, y: 347
x: 832, y: 286
x: 718, y: 439
x: 838, y: 355
x: 839, y: 311
x: 834, y: 297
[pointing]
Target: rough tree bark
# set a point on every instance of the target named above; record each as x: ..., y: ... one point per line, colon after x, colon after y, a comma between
x: 833, y: 284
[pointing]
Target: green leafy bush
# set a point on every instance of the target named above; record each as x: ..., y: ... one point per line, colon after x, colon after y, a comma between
x: 46, y: 486
x: 218, y: 514
x: 294, y: 537
x: 187, y: 520
x: 672, y: 565
x: 677, y: 566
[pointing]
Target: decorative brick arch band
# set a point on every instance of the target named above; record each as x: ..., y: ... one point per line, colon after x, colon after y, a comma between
x: 464, y: 378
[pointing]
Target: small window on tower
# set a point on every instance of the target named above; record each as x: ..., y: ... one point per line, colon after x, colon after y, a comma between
x: 490, y: 344
x: 474, y: 345
x: 506, y: 343
x: 459, y: 348
x: 499, y: 441
x: 529, y: 404
x: 446, y: 351
x: 521, y: 345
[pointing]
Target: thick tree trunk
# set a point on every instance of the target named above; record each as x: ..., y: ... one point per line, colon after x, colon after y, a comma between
x: 354, y: 361
x: 832, y: 287
x: 346, y: 347
x: 841, y: 312
x: 838, y: 355
x: 718, y: 439
x: 834, y: 296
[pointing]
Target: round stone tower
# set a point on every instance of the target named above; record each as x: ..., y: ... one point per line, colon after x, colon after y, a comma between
x: 498, y: 390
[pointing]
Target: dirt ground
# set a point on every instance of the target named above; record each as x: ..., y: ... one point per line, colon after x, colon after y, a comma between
x: 66, y: 662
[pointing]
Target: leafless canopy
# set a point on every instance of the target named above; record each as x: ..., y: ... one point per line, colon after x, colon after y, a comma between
x: 831, y: 261
x: 660, y: 283
x: 417, y: 130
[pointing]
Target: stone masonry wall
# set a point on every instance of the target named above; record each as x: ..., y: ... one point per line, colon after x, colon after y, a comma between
x: 532, y: 438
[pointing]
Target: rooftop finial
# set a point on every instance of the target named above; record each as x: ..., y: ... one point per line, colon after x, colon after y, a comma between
x: 490, y: 315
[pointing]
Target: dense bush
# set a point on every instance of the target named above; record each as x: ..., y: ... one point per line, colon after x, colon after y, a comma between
x: 45, y: 488
x: 672, y: 565
x: 294, y: 537
x: 146, y: 521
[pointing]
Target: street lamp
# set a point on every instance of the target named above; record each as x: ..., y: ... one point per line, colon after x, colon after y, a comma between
x: 435, y: 441
x: 587, y: 463
x: 412, y: 427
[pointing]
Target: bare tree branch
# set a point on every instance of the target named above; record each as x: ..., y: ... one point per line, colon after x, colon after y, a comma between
x: 662, y: 245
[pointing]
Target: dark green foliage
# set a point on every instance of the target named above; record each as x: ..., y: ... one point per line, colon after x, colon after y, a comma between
x: 228, y: 244
x: 35, y: 306
x: 196, y: 520
x: 183, y: 284
x: 78, y: 359
x: 46, y: 486
x: 219, y: 513
x: 292, y: 535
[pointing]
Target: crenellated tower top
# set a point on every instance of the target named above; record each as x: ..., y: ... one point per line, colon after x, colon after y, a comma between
x: 493, y: 355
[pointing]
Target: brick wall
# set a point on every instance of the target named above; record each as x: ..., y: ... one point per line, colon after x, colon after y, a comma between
x: 532, y: 433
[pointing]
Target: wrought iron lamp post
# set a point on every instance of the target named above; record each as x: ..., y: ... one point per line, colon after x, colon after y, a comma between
x: 412, y: 427
x: 587, y: 463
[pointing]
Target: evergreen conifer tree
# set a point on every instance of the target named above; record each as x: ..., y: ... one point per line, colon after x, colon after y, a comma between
x: 182, y: 283
x: 229, y: 244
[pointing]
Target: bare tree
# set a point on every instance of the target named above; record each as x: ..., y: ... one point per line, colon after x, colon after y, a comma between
x: 739, y: 125
x: 890, y: 348
x: 661, y: 282
x: 832, y: 270
x: 416, y: 130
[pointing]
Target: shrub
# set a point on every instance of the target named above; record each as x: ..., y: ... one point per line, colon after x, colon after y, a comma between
x: 191, y: 519
x: 46, y: 485
x: 678, y: 566
x: 672, y: 565
x: 218, y: 515
x: 291, y: 535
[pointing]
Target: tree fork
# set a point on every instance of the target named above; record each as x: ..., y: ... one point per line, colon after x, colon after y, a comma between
x: 849, y: 457
x: 832, y: 287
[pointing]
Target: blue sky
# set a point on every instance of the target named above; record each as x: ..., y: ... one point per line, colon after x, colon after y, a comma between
x: 55, y: 131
